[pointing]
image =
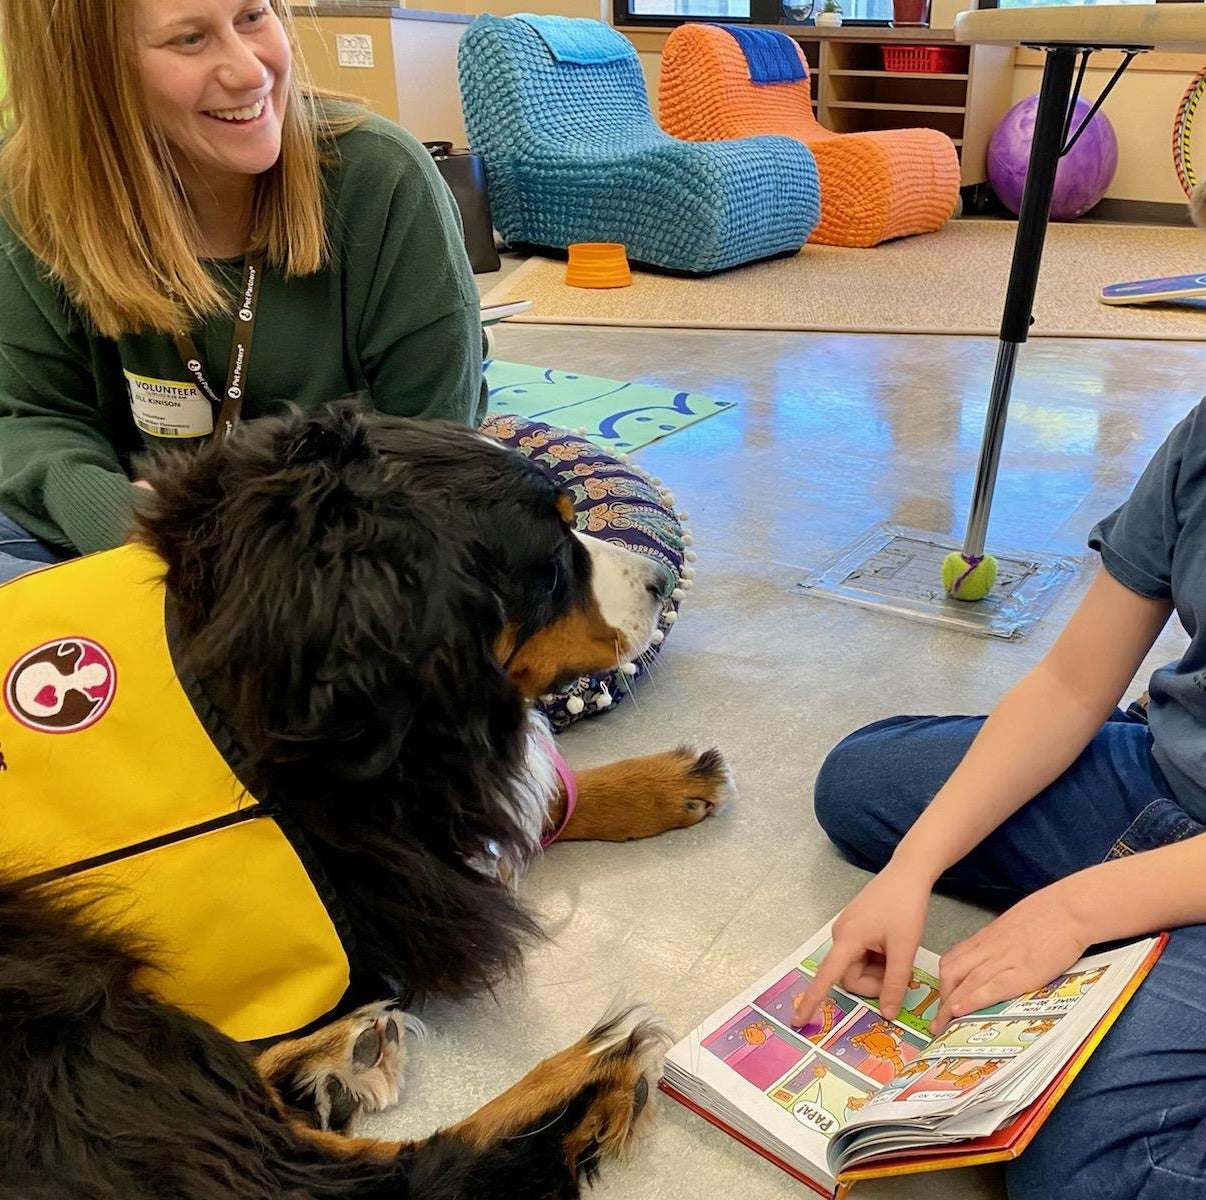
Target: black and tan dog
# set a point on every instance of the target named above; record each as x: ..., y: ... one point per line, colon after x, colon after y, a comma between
x: 279, y: 759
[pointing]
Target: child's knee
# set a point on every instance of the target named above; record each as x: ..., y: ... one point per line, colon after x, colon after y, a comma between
x: 835, y: 793
x: 852, y: 796
x: 845, y: 791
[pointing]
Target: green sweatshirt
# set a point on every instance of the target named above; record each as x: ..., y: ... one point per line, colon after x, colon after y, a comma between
x: 394, y: 314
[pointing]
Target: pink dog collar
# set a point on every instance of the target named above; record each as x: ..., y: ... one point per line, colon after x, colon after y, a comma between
x: 570, y: 783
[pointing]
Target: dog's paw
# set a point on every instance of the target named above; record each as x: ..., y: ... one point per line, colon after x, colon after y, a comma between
x: 707, y: 784
x: 352, y: 1066
x: 582, y: 1106
x: 641, y: 797
x: 679, y: 789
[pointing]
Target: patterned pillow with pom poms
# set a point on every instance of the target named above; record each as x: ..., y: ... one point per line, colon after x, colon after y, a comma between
x: 616, y: 500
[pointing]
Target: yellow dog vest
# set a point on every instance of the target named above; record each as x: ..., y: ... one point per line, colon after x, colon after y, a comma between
x: 107, y: 774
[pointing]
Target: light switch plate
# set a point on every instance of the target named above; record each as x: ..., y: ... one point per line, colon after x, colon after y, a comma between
x: 354, y: 49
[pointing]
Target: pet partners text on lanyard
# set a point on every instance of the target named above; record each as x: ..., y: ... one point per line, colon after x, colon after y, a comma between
x: 230, y: 405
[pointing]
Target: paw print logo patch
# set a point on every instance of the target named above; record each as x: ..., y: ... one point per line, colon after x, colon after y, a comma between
x: 62, y: 686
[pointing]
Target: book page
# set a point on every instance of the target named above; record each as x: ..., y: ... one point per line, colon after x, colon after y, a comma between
x: 802, y: 1085
x: 994, y: 1043
x: 821, y: 1097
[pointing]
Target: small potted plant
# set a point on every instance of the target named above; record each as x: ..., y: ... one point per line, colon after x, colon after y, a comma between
x: 830, y: 14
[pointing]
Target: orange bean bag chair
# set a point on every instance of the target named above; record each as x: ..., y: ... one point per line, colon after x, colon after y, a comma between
x: 874, y: 186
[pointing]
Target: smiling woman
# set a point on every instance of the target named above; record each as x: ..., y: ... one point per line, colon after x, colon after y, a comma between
x: 168, y: 189
x: 217, y: 84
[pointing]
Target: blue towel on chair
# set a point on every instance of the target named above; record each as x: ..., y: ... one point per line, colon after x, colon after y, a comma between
x: 772, y: 56
x: 578, y: 40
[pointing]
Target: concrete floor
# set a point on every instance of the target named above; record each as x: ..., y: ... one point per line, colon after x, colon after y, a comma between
x: 831, y: 434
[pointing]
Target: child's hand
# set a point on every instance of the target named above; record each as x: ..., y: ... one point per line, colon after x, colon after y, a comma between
x: 1024, y: 948
x: 874, y: 942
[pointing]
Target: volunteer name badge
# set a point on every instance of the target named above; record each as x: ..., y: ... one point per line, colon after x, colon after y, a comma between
x: 169, y: 408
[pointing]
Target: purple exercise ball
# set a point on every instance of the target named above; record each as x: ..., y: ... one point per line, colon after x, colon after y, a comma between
x: 1082, y: 176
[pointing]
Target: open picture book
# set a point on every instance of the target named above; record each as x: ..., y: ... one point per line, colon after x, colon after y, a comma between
x: 853, y: 1095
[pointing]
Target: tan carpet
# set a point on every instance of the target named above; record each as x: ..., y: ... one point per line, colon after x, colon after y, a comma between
x: 949, y: 282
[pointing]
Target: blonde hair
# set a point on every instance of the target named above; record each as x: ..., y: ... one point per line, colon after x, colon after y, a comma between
x: 90, y: 187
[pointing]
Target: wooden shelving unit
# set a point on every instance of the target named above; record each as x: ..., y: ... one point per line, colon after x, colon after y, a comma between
x: 852, y: 91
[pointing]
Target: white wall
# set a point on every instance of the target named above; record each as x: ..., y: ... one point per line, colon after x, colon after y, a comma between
x: 429, y: 100
x: 1141, y: 108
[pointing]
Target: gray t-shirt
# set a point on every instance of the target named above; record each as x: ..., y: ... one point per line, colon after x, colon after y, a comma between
x: 1155, y: 544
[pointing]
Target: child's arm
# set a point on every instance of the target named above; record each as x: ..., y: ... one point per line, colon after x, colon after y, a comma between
x: 1039, y: 728
x: 1030, y: 739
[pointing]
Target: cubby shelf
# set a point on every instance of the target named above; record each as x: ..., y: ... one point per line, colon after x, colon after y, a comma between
x: 853, y: 92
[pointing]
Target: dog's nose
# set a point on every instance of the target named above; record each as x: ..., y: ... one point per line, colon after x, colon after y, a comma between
x: 661, y: 580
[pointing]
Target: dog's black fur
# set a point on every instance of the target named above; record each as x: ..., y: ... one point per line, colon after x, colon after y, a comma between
x: 108, y: 1094
x: 340, y: 584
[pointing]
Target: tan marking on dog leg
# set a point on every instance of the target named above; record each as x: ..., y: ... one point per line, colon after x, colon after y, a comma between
x: 337, y: 1146
x: 640, y: 797
x: 620, y: 1060
x: 617, y: 1065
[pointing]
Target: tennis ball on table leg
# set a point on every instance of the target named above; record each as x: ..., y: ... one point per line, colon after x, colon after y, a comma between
x: 968, y: 578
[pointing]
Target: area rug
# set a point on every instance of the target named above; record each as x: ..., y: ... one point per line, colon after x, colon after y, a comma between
x: 950, y: 282
x: 618, y: 416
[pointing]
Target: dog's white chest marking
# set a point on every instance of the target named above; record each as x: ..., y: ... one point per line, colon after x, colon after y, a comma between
x: 530, y: 795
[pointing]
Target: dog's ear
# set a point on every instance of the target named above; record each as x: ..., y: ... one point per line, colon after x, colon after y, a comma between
x: 382, y: 639
x: 196, y: 495
x: 334, y: 610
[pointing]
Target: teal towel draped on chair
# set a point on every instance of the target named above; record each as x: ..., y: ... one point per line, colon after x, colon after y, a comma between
x: 575, y: 41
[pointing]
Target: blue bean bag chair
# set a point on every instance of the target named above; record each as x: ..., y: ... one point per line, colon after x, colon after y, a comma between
x: 558, y: 110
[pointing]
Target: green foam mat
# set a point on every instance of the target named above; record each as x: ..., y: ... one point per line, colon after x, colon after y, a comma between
x: 617, y: 416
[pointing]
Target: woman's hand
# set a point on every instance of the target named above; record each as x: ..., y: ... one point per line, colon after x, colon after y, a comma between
x: 1023, y: 949
x: 874, y: 942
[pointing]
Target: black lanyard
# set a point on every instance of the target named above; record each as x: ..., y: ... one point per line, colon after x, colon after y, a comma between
x: 228, y: 408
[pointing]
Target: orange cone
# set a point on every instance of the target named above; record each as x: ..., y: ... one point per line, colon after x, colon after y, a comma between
x: 597, y: 265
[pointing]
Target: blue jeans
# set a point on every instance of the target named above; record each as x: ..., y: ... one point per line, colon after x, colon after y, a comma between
x: 1133, y: 1124
x: 21, y: 552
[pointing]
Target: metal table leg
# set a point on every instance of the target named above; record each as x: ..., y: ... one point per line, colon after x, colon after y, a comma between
x: 892, y: 567
x: 1052, y: 122
x: 1023, y: 278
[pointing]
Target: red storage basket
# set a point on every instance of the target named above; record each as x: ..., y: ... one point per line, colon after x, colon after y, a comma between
x: 928, y: 60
